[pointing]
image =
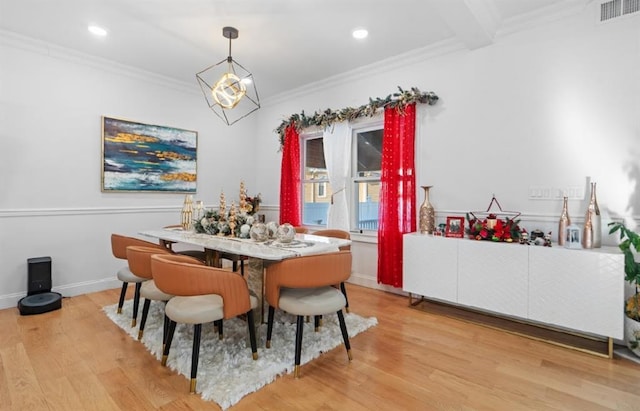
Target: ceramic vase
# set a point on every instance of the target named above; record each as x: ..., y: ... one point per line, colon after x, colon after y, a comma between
x: 565, y: 221
x: 427, y: 214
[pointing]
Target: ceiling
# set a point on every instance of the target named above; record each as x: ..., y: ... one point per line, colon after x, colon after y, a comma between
x: 284, y: 43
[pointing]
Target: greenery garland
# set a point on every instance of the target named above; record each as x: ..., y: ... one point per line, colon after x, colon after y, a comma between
x: 399, y: 101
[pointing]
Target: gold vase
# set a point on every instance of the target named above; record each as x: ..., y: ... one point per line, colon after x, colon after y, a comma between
x: 565, y: 221
x: 187, y: 212
x: 427, y: 214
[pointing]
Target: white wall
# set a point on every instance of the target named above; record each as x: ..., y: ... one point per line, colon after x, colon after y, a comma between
x: 51, y: 103
x: 549, y: 106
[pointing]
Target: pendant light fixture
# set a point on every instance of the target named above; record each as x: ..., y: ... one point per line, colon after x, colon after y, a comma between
x: 228, y: 87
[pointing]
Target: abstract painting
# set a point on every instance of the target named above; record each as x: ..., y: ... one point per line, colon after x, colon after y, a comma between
x: 149, y: 158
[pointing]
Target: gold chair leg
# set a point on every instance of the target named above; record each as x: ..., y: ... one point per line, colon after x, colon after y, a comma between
x: 164, y: 360
x: 268, y: 344
x: 119, y: 310
x: 140, y: 332
x: 349, y: 355
x: 133, y: 322
x: 296, y: 371
x: 192, y: 387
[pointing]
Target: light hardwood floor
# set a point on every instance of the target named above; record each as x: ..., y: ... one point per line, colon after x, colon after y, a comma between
x: 76, y: 359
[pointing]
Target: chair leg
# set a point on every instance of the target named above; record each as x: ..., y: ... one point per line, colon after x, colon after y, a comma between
x: 299, y: 329
x: 218, y: 326
x: 316, y: 322
x: 241, y: 266
x: 165, y: 331
x: 195, y: 353
x: 269, y: 326
x: 344, y: 292
x: 143, y: 320
x: 345, y: 335
x: 167, y: 345
x: 234, y: 266
x: 123, y: 292
x: 252, y: 334
x: 136, y: 303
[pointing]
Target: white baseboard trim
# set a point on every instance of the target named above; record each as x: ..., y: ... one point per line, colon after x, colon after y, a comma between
x: 69, y: 290
x: 86, y: 287
x: 369, y: 282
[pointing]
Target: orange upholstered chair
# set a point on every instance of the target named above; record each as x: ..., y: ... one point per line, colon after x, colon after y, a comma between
x: 301, y: 230
x: 119, y: 244
x: 139, y: 259
x: 303, y: 286
x: 334, y: 233
x: 202, y: 294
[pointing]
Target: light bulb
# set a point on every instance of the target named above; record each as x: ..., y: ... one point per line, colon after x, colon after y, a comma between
x: 228, y: 91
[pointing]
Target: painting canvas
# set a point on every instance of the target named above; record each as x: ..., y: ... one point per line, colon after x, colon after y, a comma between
x: 144, y: 157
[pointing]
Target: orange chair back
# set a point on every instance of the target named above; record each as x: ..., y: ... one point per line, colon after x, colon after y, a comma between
x: 335, y: 233
x: 306, y: 272
x: 139, y: 259
x: 186, y: 276
x: 119, y: 244
x: 301, y: 230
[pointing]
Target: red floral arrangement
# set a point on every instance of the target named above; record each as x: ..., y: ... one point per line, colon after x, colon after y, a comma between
x: 494, y: 229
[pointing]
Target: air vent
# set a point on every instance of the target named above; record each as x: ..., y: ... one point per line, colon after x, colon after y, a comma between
x: 631, y: 6
x: 613, y: 9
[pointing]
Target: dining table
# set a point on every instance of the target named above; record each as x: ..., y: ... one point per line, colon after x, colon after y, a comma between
x: 258, y: 253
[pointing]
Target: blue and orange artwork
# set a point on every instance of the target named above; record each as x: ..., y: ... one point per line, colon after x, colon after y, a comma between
x: 144, y: 157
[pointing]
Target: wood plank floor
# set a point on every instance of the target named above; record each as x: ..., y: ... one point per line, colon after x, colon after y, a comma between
x: 77, y: 359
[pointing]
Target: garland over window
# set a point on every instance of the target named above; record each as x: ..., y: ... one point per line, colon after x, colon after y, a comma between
x: 398, y: 100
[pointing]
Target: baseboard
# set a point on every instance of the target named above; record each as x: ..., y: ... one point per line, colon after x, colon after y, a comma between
x: 69, y: 290
x: 369, y: 282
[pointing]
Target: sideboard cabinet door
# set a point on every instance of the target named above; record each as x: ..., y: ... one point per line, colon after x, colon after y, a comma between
x: 430, y: 266
x: 578, y: 289
x: 493, y: 276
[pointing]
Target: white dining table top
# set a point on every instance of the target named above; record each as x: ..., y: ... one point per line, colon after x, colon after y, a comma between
x: 303, y: 244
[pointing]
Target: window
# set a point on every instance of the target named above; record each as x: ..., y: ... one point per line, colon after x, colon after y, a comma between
x: 322, y: 190
x: 316, y: 190
x: 365, y: 174
x: 363, y: 192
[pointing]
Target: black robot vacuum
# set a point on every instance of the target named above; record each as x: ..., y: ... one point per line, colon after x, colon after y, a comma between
x: 40, y: 299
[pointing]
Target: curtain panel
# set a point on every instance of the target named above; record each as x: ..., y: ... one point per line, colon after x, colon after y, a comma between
x: 337, y: 156
x: 290, y: 211
x: 397, y: 211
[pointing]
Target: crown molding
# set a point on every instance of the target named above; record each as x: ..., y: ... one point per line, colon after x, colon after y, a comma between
x: 543, y: 16
x: 391, y: 63
x: 18, y: 41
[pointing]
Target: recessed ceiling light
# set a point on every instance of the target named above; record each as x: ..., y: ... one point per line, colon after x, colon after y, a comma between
x: 360, y: 34
x: 97, y: 30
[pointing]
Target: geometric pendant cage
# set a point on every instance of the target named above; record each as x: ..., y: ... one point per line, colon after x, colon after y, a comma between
x: 228, y: 87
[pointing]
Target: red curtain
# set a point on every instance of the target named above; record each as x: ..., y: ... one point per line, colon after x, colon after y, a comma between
x: 397, y: 212
x: 290, y: 178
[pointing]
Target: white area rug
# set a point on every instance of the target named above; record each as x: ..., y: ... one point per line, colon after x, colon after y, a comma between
x: 226, y: 371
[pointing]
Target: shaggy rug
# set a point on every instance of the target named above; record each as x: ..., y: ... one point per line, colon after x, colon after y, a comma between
x: 226, y: 371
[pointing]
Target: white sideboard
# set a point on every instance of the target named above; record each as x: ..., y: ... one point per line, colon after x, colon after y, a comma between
x: 580, y: 290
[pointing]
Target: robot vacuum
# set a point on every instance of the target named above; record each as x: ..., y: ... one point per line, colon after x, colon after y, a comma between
x: 40, y: 299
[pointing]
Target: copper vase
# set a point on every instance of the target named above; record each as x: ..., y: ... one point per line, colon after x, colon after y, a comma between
x: 565, y: 221
x: 592, y: 233
x: 427, y: 214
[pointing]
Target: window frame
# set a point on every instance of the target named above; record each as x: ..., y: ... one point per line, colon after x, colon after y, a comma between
x: 304, y: 137
x: 357, y: 128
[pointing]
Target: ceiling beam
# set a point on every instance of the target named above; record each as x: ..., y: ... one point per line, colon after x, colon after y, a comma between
x: 474, y: 22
